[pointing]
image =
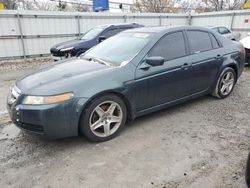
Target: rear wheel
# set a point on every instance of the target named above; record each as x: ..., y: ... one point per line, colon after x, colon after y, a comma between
x: 104, y: 118
x: 225, y: 83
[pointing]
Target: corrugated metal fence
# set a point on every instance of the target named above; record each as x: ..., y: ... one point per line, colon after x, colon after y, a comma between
x: 32, y: 33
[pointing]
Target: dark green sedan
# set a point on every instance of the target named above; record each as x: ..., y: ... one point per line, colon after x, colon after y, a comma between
x: 131, y: 74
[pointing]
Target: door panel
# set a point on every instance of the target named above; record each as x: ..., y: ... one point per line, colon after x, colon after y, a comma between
x: 206, y: 59
x: 163, y: 84
x: 157, y: 85
x: 205, y: 67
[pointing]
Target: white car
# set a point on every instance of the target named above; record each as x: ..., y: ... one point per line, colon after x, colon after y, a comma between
x: 246, y: 43
x: 226, y: 32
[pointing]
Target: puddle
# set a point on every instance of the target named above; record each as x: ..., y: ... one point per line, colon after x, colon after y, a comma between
x: 9, y: 132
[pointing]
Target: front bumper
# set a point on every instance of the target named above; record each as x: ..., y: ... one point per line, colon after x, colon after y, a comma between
x: 58, y: 58
x: 52, y: 121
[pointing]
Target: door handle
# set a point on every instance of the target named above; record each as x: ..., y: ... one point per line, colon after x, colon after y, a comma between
x: 218, y: 56
x: 185, y: 66
x: 197, y: 52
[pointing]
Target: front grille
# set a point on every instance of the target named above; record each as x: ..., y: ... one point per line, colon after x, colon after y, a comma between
x: 30, y: 127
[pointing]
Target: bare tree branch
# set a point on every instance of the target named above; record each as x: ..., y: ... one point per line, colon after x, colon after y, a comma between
x: 156, y: 6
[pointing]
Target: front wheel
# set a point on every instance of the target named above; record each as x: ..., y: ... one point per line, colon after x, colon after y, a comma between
x: 104, y: 118
x: 225, y: 83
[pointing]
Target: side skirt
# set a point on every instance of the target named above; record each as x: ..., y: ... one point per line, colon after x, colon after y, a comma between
x: 171, y: 103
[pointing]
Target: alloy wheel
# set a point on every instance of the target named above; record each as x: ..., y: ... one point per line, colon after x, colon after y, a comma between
x: 105, y: 119
x: 227, y: 83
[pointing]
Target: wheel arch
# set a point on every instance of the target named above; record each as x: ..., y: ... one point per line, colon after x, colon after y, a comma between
x: 130, y: 112
x: 234, y: 67
x: 231, y: 64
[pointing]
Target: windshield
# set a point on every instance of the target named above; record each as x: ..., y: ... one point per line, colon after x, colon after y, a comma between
x: 91, y: 33
x: 119, y: 49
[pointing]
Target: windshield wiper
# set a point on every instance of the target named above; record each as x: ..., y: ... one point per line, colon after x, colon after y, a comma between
x: 98, y: 60
x: 86, y: 58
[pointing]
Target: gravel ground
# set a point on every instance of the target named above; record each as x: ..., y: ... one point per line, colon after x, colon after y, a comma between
x: 201, y: 143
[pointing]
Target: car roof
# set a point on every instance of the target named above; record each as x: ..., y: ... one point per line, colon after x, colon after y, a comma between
x: 120, y: 25
x: 164, y: 29
x: 212, y: 27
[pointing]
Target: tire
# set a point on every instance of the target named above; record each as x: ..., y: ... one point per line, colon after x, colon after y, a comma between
x: 247, y: 173
x: 225, y: 83
x: 103, y: 118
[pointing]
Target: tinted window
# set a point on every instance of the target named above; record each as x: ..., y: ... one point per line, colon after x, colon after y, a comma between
x: 170, y: 46
x: 214, y: 41
x: 215, y: 29
x: 91, y: 33
x: 110, y: 32
x: 199, y: 41
x: 223, y: 30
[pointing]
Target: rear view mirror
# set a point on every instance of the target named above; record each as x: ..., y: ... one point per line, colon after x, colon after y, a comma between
x: 101, y: 38
x: 155, y: 60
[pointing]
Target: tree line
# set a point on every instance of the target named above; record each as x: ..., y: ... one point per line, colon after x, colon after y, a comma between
x: 154, y: 6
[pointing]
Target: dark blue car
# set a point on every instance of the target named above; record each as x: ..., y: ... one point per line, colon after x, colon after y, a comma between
x: 131, y: 74
x: 88, y: 40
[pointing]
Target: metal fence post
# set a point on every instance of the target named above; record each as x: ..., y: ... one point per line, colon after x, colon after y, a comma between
x: 21, y: 34
x: 189, y: 19
x: 232, y: 21
x: 160, y: 21
x: 78, y: 24
x: 124, y: 18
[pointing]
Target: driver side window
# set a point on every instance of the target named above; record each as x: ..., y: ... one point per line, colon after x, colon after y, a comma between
x: 170, y: 46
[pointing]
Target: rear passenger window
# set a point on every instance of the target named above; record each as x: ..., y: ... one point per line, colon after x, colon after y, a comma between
x: 214, y: 41
x: 215, y: 29
x: 199, y: 41
x: 223, y: 30
x: 170, y: 46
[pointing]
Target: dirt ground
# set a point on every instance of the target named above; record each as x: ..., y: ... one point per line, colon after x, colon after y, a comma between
x: 202, y: 143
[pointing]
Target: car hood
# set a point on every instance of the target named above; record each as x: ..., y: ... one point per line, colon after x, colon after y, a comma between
x: 57, y: 77
x: 246, y: 42
x: 69, y: 44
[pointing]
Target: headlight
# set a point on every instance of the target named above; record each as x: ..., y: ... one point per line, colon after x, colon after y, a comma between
x: 39, y: 100
x: 66, y: 49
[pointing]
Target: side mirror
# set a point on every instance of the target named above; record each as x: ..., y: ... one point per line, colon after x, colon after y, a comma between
x: 155, y: 60
x: 101, y: 38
